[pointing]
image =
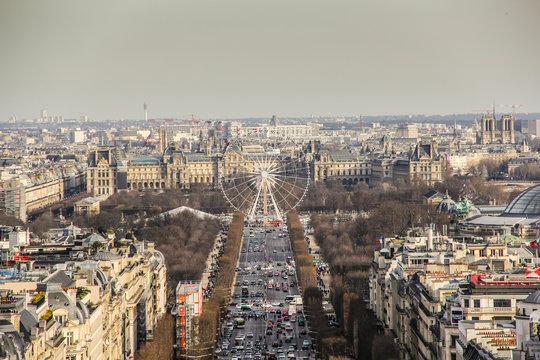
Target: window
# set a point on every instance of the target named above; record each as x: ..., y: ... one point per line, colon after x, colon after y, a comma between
x: 60, y: 319
x: 498, y: 303
x: 476, y: 303
x: 453, y: 339
x: 501, y: 252
x: 69, y: 338
x: 466, y: 303
x: 475, y: 318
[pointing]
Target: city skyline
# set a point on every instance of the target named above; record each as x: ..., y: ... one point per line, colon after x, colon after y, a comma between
x: 242, y: 59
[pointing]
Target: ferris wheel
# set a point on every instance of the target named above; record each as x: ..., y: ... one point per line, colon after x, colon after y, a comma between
x: 264, y: 184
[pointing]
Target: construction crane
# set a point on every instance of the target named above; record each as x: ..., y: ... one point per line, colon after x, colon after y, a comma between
x: 513, y: 106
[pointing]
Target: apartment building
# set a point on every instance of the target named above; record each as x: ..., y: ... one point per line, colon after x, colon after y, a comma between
x: 25, y: 190
x: 435, y: 294
x: 95, y: 307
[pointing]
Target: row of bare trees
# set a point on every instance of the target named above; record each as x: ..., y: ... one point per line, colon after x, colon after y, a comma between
x: 199, y: 196
x: 328, y: 340
x: 185, y: 240
x: 331, y: 195
x: 162, y: 347
x: 348, y: 248
x: 214, y: 310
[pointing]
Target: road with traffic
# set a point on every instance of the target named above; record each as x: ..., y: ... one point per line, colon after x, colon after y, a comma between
x: 265, y: 318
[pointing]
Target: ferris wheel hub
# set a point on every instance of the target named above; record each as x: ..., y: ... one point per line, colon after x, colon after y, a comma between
x: 267, y: 184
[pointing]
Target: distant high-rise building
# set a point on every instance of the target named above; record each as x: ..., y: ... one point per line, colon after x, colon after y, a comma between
x: 162, y: 140
x: 531, y: 127
x: 77, y: 136
x: 274, y: 121
x: 44, y: 113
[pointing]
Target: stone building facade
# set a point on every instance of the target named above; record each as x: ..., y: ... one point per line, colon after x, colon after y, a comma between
x: 103, y: 307
x: 110, y: 170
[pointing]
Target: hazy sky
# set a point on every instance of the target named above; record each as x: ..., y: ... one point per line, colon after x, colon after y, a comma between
x: 230, y: 58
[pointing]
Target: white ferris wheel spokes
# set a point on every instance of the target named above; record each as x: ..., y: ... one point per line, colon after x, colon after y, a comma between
x: 265, y: 184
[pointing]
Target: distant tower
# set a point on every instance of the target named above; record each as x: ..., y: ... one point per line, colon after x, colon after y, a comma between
x: 386, y: 144
x: 44, y: 113
x: 162, y: 139
x: 507, y: 129
x: 488, y: 129
x: 145, y: 112
x: 274, y: 121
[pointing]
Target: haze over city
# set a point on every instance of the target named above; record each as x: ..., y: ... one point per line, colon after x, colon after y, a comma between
x: 269, y: 180
x: 227, y: 59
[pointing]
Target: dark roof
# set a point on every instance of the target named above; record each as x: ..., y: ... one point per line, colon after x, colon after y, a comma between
x: 28, y: 320
x: 145, y: 160
x: 433, y: 194
x: 60, y: 277
x: 533, y: 298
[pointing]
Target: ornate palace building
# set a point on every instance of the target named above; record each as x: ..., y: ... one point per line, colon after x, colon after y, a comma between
x: 110, y: 170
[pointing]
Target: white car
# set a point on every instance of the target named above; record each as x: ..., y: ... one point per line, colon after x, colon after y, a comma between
x: 265, y: 305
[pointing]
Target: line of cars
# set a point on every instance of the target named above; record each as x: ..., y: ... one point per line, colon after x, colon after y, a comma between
x: 265, y: 290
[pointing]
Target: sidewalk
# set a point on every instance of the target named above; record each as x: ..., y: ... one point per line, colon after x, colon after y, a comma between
x: 210, y: 267
x: 324, y: 274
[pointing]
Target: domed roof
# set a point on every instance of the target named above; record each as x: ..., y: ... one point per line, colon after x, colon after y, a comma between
x: 533, y: 298
x: 525, y: 204
x: 446, y: 204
